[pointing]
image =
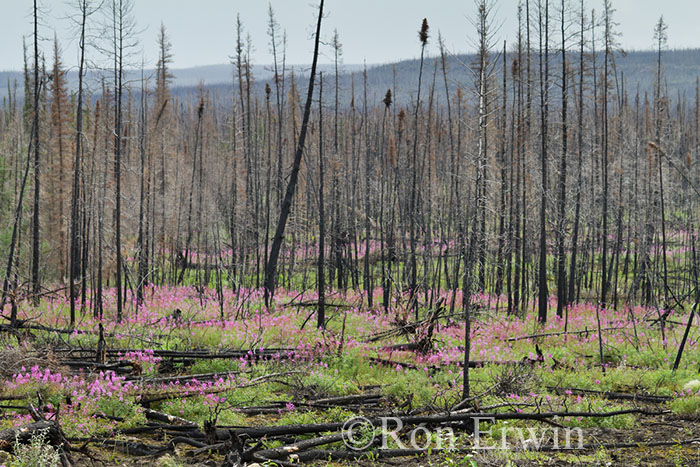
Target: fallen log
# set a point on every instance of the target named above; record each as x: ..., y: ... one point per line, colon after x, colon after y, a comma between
x: 340, y: 400
x: 167, y: 418
x: 472, y: 363
x: 389, y: 453
x: 89, y: 354
x: 393, y: 363
x: 285, y: 430
x: 259, y: 432
x: 13, y: 397
x: 561, y: 333
x: 314, y: 303
x: 272, y: 407
x: 24, y: 433
x: 612, y: 395
x: 285, y: 451
x: 205, y: 353
x: 122, y: 367
x: 634, y: 444
x: 184, y: 378
x: 14, y: 407
x: 158, y: 427
x: 185, y: 440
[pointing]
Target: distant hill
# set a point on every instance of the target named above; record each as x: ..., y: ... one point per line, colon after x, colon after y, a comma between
x: 185, y: 80
x: 681, y: 69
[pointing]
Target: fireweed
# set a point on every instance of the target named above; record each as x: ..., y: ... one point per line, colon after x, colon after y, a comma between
x: 105, y: 402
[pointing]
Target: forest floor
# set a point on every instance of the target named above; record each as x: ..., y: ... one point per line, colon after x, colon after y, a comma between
x: 193, y: 378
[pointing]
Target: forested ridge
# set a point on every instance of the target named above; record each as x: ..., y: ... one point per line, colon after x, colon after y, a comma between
x: 680, y: 65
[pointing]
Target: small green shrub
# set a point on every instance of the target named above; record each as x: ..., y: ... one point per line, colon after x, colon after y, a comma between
x: 686, y: 405
x: 37, y: 453
x: 168, y: 461
x: 333, y: 385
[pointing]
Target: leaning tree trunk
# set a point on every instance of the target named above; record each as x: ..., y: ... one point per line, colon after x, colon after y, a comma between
x: 271, y: 267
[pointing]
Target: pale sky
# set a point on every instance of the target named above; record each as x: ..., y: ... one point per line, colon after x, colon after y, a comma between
x: 376, y: 31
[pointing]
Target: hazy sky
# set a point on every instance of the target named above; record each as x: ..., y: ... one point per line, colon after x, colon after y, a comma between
x: 203, y: 31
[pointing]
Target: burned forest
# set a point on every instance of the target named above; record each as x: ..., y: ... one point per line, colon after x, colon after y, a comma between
x: 482, y: 255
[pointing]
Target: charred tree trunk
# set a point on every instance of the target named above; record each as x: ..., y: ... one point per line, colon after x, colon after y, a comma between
x: 271, y: 267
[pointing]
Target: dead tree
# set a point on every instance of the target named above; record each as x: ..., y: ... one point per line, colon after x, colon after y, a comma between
x: 271, y: 267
